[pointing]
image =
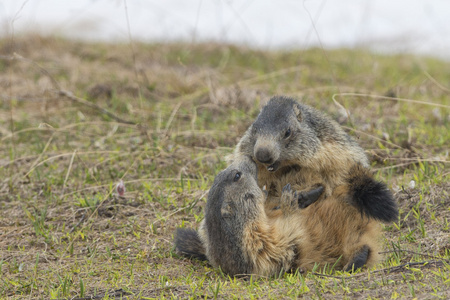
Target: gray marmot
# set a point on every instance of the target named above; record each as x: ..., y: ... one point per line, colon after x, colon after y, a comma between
x: 241, y: 236
x: 305, y: 147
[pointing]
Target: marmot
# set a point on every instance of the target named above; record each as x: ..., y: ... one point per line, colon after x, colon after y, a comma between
x: 241, y: 236
x: 306, y: 147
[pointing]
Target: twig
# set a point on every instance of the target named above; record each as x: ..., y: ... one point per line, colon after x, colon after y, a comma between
x: 62, y: 155
x: 441, y: 86
x: 390, y: 98
x: 17, y: 233
x: 409, y: 264
x: 72, y: 97
x: 76, y: 225
x: 69, y: 95
x: 35, y: 163
x: 405, y: 265
x: 410, y: 162
x: 409, y: 197
x: 172, y: 116
x: 16, y: 56
x: 409, y: 251
x: 68, y: 172
x: 111, y: 295
x: 189, y: 206
x: 266, y: 76
x: 372, y: 136
x: 395, y: 166
x: 133, y: 53
x: 389, y: 269
x: 325, y: 275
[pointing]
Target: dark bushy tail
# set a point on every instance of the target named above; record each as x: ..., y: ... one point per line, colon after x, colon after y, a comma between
x: 188, y: 243
x: 371, y: 197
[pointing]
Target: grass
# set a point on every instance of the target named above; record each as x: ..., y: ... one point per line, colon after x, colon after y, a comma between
x: 75, y: 118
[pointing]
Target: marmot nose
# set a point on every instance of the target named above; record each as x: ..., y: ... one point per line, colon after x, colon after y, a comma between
x: 264, y: 156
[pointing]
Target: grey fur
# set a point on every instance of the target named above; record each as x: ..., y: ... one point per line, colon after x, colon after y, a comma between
x: 309, y: 130
x: 289, y: 137
x: 230, y: 207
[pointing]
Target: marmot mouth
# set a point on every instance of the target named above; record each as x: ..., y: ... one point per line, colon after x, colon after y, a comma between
x: 273, y: 167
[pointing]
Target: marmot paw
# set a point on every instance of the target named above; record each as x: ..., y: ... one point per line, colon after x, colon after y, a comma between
x: 307, y: 198
x: 358, y: 260
x: 288, y: 197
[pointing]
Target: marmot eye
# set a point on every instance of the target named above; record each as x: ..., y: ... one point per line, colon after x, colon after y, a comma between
x: 237, y: 176
x: 287, y: 133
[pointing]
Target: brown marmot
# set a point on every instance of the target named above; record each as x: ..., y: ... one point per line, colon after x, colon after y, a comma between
x: 305, y: 147
x: 240, y: 235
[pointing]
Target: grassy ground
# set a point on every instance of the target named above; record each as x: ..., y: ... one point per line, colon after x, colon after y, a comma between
x: 76, y: 118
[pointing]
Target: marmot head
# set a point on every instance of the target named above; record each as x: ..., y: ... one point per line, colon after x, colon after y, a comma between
x: 282, y: 134
x: 234, y: 202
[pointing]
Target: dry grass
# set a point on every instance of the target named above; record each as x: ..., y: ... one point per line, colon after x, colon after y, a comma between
x: 76, y: 118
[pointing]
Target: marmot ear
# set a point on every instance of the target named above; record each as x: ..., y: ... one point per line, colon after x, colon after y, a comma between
x: 298, y: 112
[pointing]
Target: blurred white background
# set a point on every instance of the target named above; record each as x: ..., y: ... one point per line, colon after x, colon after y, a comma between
x: 415, y: 26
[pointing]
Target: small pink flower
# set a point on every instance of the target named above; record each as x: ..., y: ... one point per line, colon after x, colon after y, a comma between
x: 120, y: 188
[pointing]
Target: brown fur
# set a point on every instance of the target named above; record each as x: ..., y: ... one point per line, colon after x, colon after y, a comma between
x: 294, y: 144
x: 333, y: 232
x: 307, y: 149
x: 273, y: 235
x: 330, y: 228
x: 318, y: 149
